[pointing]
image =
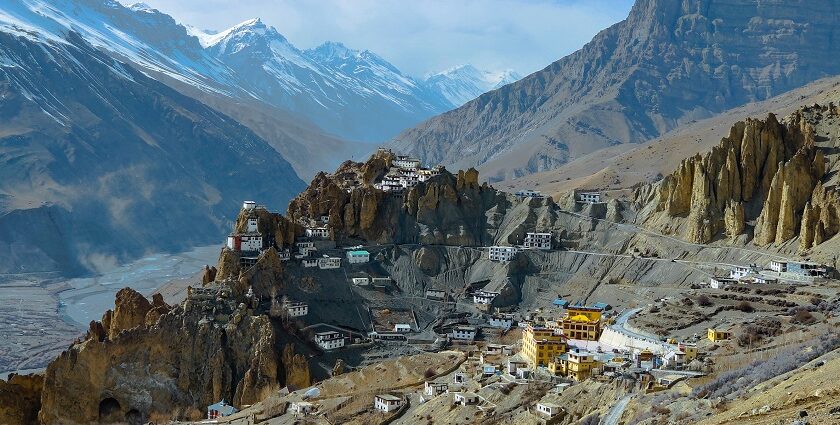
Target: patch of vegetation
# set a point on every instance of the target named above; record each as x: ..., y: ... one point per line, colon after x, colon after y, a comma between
x: 733, y: 383
x: 754, y: 333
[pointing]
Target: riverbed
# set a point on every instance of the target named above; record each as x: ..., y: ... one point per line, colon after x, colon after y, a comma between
x: 40, y: 316
x: 88, y: 298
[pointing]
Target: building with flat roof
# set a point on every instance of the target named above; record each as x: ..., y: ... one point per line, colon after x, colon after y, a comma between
x: 327, y: 262
x: 220, y: 410
x: 464, y: 333
x: 358, y: 256
x: 465, y: 399
x: 295, y: 309
x: 582, y: 322
x: 547, y: 409
x: 329, y: 340
x: 502, y: 253
x: 317, y: 232
x: 716, y: 335
x: 537, y: 240
x: 434, y: 388
x: 484, y: 297
x: 387, y: 402
x: 540, y: 345
x: 587, y: 196
x: 576, y: 364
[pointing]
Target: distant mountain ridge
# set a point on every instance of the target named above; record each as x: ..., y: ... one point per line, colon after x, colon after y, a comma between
x: 667, y: 64
x: 349, y: 94
x: 100, y: 164
x: 463, y: 83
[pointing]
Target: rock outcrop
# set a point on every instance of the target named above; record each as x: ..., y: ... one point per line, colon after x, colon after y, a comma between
x: 765, y: 171
x: 20, y: 399
x: 211, y: 347
x: 447, y: 209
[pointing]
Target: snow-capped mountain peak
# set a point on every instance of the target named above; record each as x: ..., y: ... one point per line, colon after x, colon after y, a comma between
x: 463, y: 83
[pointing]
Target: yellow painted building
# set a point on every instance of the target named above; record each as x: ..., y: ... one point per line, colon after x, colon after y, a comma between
x: 716, y: 335
x: 576, y: 364
x: 582, y: 322
x: 690, y: 351
x: 540, y: 345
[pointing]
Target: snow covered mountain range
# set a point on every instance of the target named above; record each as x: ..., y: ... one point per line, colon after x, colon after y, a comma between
x: 352, y: 94
x: 464, y: 83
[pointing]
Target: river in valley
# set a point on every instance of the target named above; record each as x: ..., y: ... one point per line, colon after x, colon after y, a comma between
x: 88, y: 298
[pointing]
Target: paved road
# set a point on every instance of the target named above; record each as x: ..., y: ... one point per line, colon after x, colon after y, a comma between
x: 616, y: 411
x: 620, y: 326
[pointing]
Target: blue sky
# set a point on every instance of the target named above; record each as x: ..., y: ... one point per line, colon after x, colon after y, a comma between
x: 422, y: 36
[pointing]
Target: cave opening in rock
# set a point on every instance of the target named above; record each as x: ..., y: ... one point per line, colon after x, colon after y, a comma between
x: 134, y: 417
x: 109, y: 408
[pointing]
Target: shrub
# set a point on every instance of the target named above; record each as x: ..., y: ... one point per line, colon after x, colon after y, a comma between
x: 428, y: 373
x: 803, y: 317
x: 731, y: 383
x: 704, y: 301
x: 745, y: 306
x: 754, y: 333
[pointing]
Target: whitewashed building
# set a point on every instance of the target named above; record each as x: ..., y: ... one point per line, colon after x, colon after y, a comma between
x: 360, y: 279
x: 538, y: 240
x: 502, y: 253
x: 406, y: 163
x: 317, y: 232
x: 309, y: 262
x: 548, y: 410
x: 358, y: 256
x: 303, y: 408
x: 465, y: 399
x: 484, y: 297
x: 306, y: 248
x: 436, y: 294
x: 741, y: 271
x: 435, y: 388
x: 718, y: 282
x: 387, y: 402
x: 464, y: 333
x: 247, y: 242
x: 500, y: 321
x: 327, y: 262
x: 284, y: 254
x: 249, y: 205
x: 524, y: 194
x: 402, y: 328
x: 296, y: 309
x: 588, y: 197
x: 329, y: 340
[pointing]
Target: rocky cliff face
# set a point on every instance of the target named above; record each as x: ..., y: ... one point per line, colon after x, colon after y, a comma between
x: 765, y: 172
x: 20, y: 399
x: 668, y: 63
x: 149, y: 360
x: 447, y: 209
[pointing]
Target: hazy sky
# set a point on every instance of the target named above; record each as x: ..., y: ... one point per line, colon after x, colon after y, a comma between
x: 424, y: 35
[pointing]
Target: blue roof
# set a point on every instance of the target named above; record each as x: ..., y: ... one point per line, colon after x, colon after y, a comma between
x: 223, y: 408
x: 561, y: 302
x: 602, y: 306
x: 359, y: 252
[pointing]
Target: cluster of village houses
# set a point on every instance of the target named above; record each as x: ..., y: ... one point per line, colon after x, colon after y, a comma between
x: 555, y: 347
x: 777, y: 271
x: 405, y: 172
